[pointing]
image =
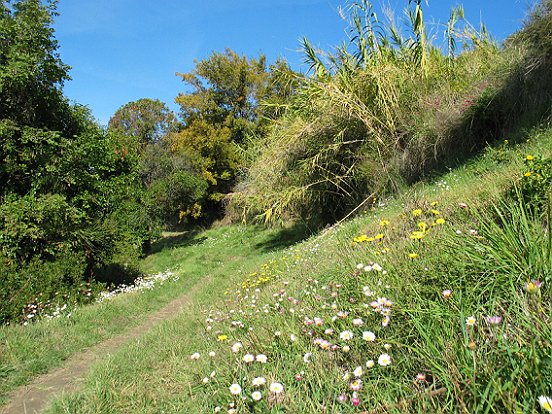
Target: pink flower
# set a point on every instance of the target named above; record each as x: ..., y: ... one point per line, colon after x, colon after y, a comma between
x: 356, y: 385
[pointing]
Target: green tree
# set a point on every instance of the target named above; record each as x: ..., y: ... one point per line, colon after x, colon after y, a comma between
x: 223, y: 113
x: 148, y: 120
x: 70, y: 193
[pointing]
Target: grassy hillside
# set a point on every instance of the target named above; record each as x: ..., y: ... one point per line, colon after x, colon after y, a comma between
x: 435, y: 301
x: 211, y: 258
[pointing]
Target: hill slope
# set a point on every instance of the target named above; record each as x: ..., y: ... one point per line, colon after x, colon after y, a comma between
x: 449, y: 312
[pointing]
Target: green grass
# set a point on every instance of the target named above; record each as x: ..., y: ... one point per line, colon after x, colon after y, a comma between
x: 484, y: 368
x: 219, y: 254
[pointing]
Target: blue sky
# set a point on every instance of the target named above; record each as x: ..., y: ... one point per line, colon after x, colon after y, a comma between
x: 124, y: 50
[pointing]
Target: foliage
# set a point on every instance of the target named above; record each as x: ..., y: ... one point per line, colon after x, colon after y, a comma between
x: 369, y: 118
x: 70, y: 193
x: 389, y: 108
x: 222, y: 116
x: 147, y: 120
x: 536, y: 184
x: 173, y: 188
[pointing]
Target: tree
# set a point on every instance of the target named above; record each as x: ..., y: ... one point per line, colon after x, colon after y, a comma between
x: 148, y: 120
x: 70, y: 192
x: 32, y: 74
x: 222, y: 115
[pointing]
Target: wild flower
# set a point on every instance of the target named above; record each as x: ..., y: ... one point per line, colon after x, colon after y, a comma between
x: 342, y: 398
x: 262, y: 358
x: 235, y: 389
x: 212, y: 354
x: 384, y: 360
x: 421, y: 377
x: 417, y: 212
x: 377, y: 267
x: 546, y: 403
x: 447, y: 293
x: 356, y: 384
x: 369, y: 336
x: 346, y: 335
x: 533, y: 286
x: 417, y: 235
x: 367, y: 291
x: 293, y: 338
x: 412, y: 255
x: 470, y: 321
x: 306, y: 357
x: 256, y: 395
x: 494, y: 320
x: 355, y: 401
x: 276, y: 388
x: 221, y: 338
x: 195, y: 356
x: 237, y: 347
x: 357, y: 322
x: 318, y: 321
x: 440, y: 220
x: 205, y: 380
x: 247, y: 358
x: 346, y: 348
x: 370, y: 363
x: 259, y: 381
x: 358, y: 372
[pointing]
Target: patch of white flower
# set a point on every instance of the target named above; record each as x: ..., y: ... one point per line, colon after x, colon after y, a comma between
x: 140, y: 284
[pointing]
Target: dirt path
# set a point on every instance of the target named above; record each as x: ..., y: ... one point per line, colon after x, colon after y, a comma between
x: 34, y: 397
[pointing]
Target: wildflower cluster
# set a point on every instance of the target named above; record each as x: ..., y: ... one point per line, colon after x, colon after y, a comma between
x: 271, y: 340
x: 61, y: 305
x: 537, y: 180
x: 140, y: 284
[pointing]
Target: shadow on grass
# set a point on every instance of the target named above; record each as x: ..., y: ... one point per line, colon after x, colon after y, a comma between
x: 173, y: 240
x: 117, y: 274
x: 286, y: 237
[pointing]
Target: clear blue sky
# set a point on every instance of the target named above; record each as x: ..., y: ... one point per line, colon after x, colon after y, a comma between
x: 124, y: 50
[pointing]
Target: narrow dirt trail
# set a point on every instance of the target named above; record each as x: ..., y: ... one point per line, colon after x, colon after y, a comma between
x: 34, y: 397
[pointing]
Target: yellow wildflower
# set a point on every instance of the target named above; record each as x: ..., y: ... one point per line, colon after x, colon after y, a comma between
x: 417, y: 235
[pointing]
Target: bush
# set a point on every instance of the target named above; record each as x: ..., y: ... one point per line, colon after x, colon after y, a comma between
x: 39, y: 287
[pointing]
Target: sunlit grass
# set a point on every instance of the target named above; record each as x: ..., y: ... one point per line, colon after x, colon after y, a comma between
x: 363, y: 318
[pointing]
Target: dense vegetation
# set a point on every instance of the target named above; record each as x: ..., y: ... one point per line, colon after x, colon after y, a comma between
x: 436, y: 299
x: 253, y: 141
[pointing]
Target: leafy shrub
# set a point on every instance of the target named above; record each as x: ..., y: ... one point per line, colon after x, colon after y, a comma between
x: 39, y: 286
